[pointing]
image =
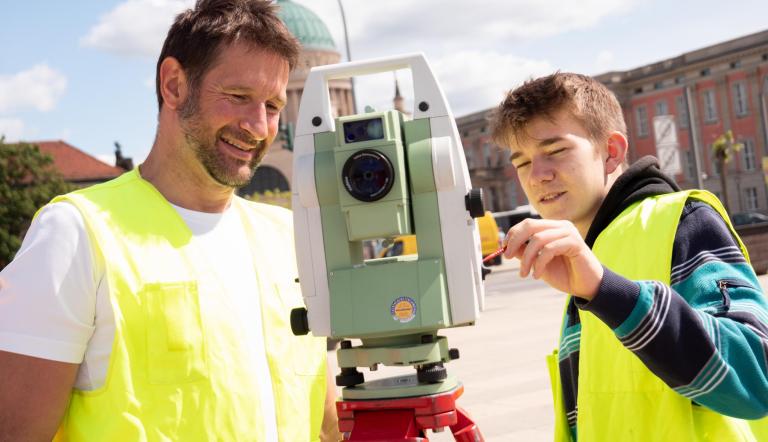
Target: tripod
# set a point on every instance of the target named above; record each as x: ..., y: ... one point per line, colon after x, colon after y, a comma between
x: 402, y: 408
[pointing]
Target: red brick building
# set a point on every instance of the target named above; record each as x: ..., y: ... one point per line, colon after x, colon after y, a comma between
x: 708, y: 91
x: 489, y: 166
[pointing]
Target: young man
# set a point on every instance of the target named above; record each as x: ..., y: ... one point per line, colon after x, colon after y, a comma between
x: 665, y: 335
x: 156, y: 306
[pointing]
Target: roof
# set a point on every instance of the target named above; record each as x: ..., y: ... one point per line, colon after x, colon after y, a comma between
x: 76, y: 165
x: 306, y: 26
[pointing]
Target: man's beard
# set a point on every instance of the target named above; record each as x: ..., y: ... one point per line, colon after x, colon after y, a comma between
x: 224, y: 170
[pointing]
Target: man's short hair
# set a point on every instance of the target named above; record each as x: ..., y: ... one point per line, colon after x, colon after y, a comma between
x: 198, y: 34
x: 588, y: 100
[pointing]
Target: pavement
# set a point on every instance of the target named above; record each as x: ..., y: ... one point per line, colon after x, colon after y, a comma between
x: 502, y: 363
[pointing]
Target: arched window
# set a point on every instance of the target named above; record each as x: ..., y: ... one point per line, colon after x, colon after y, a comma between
x: 265, y: 178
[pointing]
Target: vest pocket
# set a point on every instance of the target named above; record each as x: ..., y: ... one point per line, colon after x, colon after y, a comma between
x: 175, y: 347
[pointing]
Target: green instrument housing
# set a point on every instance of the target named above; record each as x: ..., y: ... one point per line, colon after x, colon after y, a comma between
x: 383, y: 297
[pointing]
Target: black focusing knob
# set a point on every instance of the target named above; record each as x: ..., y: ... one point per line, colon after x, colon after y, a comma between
x: 473, y: 201
x: 299, y: 322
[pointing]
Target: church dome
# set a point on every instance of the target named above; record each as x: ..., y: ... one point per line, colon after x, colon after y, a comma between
x: 306, y: 26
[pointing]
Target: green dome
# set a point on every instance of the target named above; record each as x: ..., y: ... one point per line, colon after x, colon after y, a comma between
x: 306, y: 26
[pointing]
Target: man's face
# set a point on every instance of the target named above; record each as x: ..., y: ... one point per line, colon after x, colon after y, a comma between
x: 230, y: 120
x: 560, y: 169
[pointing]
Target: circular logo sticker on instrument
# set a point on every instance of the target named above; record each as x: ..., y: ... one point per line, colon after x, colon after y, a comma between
x: 403, y: 309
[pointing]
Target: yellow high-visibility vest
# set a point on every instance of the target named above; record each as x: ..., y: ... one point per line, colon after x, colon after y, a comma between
x: 178, y: 372
x: 619, y: 398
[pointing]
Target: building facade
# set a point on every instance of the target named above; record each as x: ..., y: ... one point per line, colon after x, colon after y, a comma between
x: 708, y: 91
x: 489, y: 165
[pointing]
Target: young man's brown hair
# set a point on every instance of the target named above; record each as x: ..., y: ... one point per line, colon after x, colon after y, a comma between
x: 588, y: 100
x: 197, y: 34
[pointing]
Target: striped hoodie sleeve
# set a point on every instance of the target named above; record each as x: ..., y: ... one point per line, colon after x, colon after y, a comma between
x: 706, y: 335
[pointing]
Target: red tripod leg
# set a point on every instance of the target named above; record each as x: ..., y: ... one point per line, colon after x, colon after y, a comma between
x: 466, y: 429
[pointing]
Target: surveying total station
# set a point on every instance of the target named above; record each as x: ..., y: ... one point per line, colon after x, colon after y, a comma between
x: 374, y: 176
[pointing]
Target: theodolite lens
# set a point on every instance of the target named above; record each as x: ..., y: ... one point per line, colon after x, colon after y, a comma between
x: 368, y: 175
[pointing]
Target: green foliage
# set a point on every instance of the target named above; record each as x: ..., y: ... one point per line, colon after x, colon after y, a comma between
x: 275, y: 197
x: 28, y: 180
x: 724, y: 147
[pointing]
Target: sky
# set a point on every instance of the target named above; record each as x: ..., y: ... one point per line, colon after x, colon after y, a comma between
x: 83, y: 71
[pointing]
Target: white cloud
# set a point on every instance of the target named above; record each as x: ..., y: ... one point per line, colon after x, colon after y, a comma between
x: 106, y: 158
x: 471, y: 80
x: 135, y: 27
x: 38, y: 88
x: 431, y: 24
x: 474, y: 80
x: 605, y: 60
x: 12, y: 129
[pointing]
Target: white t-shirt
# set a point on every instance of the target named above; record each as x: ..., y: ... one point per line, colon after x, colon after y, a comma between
x: 54, y: 299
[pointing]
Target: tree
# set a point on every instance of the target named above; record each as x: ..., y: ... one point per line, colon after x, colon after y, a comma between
x: 28, y: 180
x: 723, y: 149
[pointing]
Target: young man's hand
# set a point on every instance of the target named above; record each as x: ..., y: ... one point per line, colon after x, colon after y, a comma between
x: 556, y: 253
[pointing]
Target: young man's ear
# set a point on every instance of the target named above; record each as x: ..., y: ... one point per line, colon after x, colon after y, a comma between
x: 173, y: 83
x: 616, y: 152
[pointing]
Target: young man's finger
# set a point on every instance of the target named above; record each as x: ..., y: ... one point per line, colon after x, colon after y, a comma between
x: 550, y: 251
x: 535, y: 244
x: 519, y: 234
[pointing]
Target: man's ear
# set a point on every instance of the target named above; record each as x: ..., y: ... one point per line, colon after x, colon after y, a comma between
x: 173, y: 83
x: 616, y: 151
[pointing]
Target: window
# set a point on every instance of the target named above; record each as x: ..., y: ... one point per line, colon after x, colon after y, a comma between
x: 750, y: 198
x: 680, y: 79
x: 735, y: 64
x: 714, y: 164
x: 682, y: 111
x: 690, y: 165
x: 642, y: 121
x: 740, y: 98
x: 487, y: 154
x: 662, y: 108
x: 512, y: 193
x: 748, y: 156
x: 705, y: 72
x: 710, y: 111
x: 489, y: 197
x: 638, y: 90
x: 658, y: 85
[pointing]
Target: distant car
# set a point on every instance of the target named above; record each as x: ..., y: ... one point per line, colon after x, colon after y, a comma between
x: 740, y: 219
x: 489, y: 240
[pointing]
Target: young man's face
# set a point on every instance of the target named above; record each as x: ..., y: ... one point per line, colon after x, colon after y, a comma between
x: 562, y: 172
x: 232, y: 118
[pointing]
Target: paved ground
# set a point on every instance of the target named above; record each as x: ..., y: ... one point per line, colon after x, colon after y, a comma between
x: 502, y: 358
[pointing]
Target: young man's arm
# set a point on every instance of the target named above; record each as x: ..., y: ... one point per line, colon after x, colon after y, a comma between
x: 35, y: 394
x: 706, y: 336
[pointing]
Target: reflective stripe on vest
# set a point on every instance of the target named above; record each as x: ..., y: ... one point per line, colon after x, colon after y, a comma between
x: 619, y: 399
x: 177, y: 371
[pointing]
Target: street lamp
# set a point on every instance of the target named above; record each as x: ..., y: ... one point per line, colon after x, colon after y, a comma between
x: 349, y: 56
